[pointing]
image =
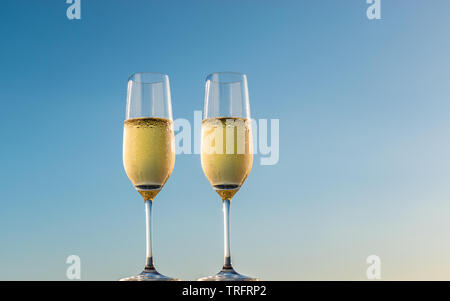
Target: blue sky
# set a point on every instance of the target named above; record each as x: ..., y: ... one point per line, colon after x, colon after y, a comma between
x: 364, y: 138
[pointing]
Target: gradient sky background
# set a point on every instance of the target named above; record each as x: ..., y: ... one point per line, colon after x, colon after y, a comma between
x: 364, y: 109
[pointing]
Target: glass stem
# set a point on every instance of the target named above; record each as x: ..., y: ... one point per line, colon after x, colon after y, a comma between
x: 148, y: 232
x: 226, y: 234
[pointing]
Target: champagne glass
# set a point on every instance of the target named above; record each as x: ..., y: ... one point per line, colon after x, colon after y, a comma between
x: 148, y: 148
x: 227, y: 149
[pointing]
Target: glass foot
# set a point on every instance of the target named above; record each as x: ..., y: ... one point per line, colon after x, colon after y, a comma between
x: 149, y: 275
x: 228, y: 275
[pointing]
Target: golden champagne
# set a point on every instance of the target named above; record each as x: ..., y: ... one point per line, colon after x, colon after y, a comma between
x: 227, y: 153
x: 148, y: 153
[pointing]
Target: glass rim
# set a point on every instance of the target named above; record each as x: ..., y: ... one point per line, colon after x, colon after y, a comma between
x: 242, y: 76
x: 162, y: 77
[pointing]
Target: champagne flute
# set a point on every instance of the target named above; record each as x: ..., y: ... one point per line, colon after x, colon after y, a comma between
x: 227, y: 149
x: 148, y: 148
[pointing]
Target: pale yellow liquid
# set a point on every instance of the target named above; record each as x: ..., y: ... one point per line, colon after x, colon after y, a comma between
x: 227, y: 153
x: 148, y: 153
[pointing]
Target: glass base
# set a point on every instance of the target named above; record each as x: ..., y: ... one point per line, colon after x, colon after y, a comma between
x: 149, y: 275
x: 228, y: 275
